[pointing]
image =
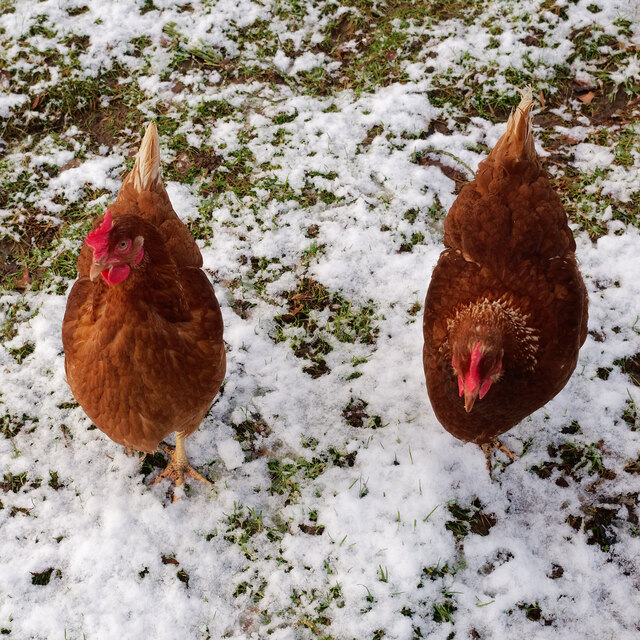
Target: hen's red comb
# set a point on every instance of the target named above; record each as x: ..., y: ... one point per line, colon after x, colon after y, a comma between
x: 98, y: 239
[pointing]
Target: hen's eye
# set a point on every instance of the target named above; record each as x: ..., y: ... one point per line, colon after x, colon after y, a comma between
x: 124, y: 245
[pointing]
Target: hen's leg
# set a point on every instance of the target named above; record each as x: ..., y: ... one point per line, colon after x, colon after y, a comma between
x: 179, y: 467
x: 495, y: 445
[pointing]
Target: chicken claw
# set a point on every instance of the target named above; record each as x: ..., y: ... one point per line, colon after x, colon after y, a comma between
x: 495, y: 445
x: 179, y: 467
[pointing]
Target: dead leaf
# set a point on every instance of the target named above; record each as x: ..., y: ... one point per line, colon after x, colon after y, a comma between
x: 183, y: 164
x: 587, y: 97
x: 391, y: 55
x: 24, y: 281
x: 541, y: 96
x: 72, y: 164
x: 312, y: 530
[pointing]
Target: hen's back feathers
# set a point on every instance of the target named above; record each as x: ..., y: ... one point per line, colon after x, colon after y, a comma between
x: 510, y: 212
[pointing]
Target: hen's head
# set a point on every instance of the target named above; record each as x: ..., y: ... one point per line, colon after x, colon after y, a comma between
x: 116, y: 248
x: 477, y: 362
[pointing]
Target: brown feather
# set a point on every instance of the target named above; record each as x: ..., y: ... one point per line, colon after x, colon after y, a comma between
x: 509, y: 266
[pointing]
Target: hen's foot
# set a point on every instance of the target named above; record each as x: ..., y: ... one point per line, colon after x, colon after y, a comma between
x: 495, y: 445
x: 179, y: 468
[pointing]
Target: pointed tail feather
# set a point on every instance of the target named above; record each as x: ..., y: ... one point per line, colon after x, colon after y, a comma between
x: 515, y: 152
x: 145, y: 175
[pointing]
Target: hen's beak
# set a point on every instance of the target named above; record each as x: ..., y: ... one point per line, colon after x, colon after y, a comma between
x: 469, y: 399
x: 97, y: 267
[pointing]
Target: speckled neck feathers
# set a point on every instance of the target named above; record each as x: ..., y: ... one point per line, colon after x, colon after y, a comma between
x: 519, y: 339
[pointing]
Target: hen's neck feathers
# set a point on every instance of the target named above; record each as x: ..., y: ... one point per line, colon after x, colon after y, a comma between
x: 519, y: 338
x: 153, y: 283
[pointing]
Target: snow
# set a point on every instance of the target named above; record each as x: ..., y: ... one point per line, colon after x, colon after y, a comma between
x: 589, y: 157
x: 361, y: 534
x: 231, y: 454
x: 7, y: 102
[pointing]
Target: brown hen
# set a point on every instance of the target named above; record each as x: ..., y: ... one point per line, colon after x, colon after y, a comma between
x: 506, y: 310
x: 142, y: 331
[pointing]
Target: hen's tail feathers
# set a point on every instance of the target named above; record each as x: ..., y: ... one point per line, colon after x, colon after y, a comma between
x: 145, y: 175
x: 515, y: 151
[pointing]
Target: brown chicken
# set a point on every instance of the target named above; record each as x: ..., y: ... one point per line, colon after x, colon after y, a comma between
x: 142, y: 331
x: 506, y: 310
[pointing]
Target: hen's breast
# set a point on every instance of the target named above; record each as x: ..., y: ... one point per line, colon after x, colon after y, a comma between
x: 139, y: 377
x: 552, y: 295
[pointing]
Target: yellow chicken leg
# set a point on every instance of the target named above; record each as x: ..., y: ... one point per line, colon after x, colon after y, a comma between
x: 495, y: 445
x: 179, y: 466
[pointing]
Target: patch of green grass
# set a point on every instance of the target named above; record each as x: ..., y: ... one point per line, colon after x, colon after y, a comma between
x: 585, y: 203
x: 288, y: 475
x: 282, y: 479
x: 258, y: 38
x: 23, y: 352
x: 214, y: 109
x: 311, y: 609
x: 250, y: 432
x: 440, y: 571
x: 13, y: 482
x: 625, y: 145
x: 11, y: 425
x: 574, y: 459
x: 443, y: 611
x: 624, y: 27
x: 13, y: 313
x: 65, y: 264
x: 233, y: 175
x: 469, y: 519
x: 54, y: 481
x: 355, y: 414
x: 284, y: 118
x: 349, y: 324
x: 345, y: 323
x: 631, y: 415
x: 313, y: 253
x: 43, y: 578
x: 245, y: 525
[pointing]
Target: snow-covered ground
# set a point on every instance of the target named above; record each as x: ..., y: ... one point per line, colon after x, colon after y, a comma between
x: 340, y: 507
